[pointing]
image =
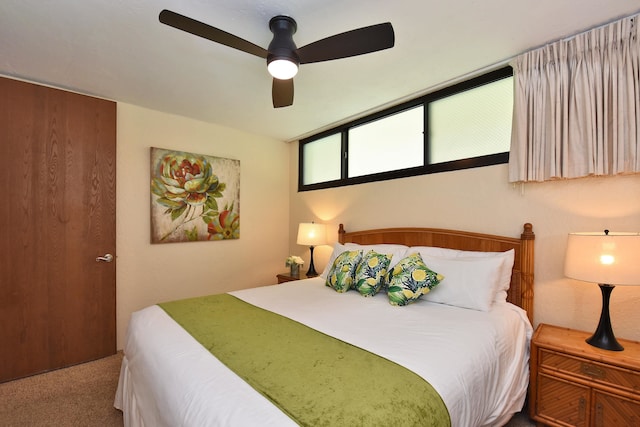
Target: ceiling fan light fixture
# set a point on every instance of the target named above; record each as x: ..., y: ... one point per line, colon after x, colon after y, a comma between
x: 282, y: 68
x: 282, y: 55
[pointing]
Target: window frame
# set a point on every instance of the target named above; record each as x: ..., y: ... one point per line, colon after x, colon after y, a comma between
x: 426, y: 168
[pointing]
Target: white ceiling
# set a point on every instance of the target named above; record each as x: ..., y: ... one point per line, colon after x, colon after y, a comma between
x: 117, y: 49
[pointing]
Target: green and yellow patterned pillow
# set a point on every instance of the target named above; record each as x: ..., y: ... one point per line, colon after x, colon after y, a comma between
x: 410, y: 279
x: 371, y: 273
x: 343, y: 271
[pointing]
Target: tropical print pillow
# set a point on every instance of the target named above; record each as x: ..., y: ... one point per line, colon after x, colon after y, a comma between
x: 371, y: 273
x: 410, y: 279
x: 343, y: 271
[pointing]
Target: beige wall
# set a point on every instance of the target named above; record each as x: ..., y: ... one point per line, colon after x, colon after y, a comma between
x: 146, y: 273
x: 482, y: 200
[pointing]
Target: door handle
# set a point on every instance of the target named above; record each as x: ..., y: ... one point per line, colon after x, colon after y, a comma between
x: 105, y: 258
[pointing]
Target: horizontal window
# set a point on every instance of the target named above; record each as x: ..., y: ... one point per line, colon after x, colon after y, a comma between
x: 322, y: 159
x: 389, y: 143
x: 462, y: 126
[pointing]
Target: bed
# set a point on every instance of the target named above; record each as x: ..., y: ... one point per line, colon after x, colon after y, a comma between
x: 467, y: 342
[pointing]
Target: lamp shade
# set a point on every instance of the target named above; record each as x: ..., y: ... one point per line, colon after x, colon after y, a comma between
x: 311, y: 234
x: 603, y: 257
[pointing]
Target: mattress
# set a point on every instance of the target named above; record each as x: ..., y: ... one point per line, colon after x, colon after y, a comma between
x: 477, y: 361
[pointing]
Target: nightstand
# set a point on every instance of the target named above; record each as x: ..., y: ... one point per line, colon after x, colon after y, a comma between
x: 287, y: 277
x: 576, y: 384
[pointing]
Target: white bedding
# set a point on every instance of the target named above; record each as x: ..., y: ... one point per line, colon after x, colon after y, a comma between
x: 477, y: 361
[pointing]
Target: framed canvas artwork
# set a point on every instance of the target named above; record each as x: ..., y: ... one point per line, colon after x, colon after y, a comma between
x: 194, y: 197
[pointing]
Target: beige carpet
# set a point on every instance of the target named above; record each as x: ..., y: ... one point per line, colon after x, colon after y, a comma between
x: 80, y: 396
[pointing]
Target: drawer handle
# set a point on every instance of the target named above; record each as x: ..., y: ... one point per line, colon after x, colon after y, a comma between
x: 599, y: 415
x: 593, y: 371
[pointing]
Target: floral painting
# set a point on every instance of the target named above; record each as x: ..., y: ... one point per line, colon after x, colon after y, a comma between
x: 194, y: 197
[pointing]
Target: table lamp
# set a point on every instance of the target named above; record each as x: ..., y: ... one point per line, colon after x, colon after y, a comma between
x: 608, y: 259
x: 312, y: 234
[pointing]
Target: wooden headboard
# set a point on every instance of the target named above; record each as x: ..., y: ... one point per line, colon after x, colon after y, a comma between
x: 521, y: 289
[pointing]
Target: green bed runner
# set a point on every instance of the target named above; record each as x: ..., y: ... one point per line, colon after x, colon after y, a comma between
x: 315, y: 379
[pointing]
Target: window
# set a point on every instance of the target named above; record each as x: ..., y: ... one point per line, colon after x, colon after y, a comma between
x: 462, y: 126
x: 322, y: 160
x: 484, y: 111
x: 390, y: 143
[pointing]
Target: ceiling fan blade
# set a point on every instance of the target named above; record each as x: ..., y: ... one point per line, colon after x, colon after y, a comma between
x: 211, y: 33
x: 282, y: 93
x: 351, y: 43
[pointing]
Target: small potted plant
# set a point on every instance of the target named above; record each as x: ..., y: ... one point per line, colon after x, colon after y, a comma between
x: 294, y: 263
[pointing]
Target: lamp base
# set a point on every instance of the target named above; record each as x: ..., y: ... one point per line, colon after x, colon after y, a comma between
x: 603, y: 336
x: 312, y: 270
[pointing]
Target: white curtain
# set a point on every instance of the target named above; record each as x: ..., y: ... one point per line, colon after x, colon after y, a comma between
x: 577, y: 106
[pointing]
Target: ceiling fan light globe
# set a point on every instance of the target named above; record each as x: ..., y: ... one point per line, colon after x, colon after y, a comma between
x: 282, y: 69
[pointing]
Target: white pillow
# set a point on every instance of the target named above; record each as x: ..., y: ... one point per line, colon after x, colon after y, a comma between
x: 505, y: 272
x: 397, y: 252
x: 337, y: 250
x: 468, y: 282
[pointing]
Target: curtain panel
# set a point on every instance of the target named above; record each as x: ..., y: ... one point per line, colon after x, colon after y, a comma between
x: 577, y: 106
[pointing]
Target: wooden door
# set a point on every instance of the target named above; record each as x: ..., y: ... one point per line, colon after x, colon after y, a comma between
x: 57, y: 215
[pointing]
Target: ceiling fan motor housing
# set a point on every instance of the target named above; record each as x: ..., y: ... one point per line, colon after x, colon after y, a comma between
x: 282, y: 46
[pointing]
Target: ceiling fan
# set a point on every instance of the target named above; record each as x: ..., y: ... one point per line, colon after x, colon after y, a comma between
x: 282, y: 55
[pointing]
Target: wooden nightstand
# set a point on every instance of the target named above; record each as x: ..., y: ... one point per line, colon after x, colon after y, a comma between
x: 287, y: 277
x: 576, y: 384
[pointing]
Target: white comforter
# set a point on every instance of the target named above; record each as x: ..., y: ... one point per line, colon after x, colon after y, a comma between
x: 477, y: 361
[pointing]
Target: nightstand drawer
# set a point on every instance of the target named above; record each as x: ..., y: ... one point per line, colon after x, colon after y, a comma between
x: 591, y: 371
x: 612, y: 410
x: 287, y: 277
x: 562, y: 402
